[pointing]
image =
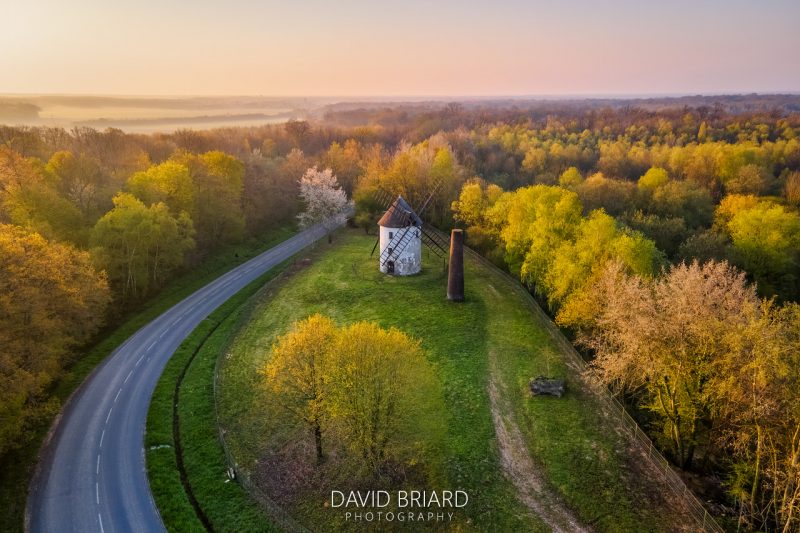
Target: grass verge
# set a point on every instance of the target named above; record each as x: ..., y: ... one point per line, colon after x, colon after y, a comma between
x: 17, y: 466
x: 186, y: 464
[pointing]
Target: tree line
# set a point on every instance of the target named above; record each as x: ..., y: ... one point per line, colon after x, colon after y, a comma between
x: 555, y: 193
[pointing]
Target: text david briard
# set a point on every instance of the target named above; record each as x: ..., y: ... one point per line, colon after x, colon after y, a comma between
x: 399, y: 506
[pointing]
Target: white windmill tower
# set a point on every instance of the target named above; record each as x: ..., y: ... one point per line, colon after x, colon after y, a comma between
x: 401, y: 236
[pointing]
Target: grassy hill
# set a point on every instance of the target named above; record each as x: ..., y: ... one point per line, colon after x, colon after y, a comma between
x: 527, y: 463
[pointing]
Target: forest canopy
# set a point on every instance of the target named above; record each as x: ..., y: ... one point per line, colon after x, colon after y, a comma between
x: 589, y: 203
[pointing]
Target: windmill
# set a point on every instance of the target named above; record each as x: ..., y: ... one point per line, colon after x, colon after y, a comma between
x: 402, y: 233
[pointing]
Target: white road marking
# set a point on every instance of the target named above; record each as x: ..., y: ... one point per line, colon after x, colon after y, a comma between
x: 162, y: 334
x: 108, y: 415
x: 128, y: 377
x: 117, y: 396
x: 137, y: 363
x: 103, y: 434
x: 101, y: 523
x: 151, y: 346
x: 97, y: 492
x: 97, y: 470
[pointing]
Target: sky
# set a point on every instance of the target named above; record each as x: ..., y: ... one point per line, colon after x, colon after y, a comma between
x: 358, y: 48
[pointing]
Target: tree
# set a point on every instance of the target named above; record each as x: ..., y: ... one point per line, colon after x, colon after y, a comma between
x: 297, y: 372
x: 791, y: 189
x: 598, y: 240
x: 472, y: 208
x: 683, y: 199
x: 570, y: 178
x: 704, y: 246
x: 51, y: 301
x: 766, y: 242
x: 597, y: 191
x: 81, y: 180
x: 749, y: 179
x: 29, y: 200
x: 368, y: 209
x: 360, y: 385
x: 269, y: 194
x: 535, y: 221
x: 139, y: 246
x: 298, y: 130
x: 667, y: 232
x: 380, y: 386
x: 170, y: 183
x: 756, y: 386
x: 325, y: 202
x: 218, y: 185
x: 654, y: 178
x: 662, y: 338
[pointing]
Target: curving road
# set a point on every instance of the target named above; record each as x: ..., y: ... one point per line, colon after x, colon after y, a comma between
x: 92, y: 473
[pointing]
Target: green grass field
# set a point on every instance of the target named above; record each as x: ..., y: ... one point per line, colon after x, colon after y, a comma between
x: 17, y: 466
x: 491, y: 338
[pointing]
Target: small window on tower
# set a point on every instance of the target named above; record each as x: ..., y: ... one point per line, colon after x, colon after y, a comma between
x: 391, y: 235
x: 390, y: 250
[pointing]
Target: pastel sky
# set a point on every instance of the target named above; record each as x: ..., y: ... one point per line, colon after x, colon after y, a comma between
x: 408, y: 48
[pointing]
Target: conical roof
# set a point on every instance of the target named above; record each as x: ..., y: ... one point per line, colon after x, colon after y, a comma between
x: 399, y: 215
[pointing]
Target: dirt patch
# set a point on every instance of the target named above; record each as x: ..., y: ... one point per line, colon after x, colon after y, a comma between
x: 520, y: 469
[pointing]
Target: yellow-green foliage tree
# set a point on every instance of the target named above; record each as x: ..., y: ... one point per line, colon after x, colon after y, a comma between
x: 654, y: 178
x: 599, y: 192
x: 29, y: 199
x: 719, y: 369
x: 139, y: 246
x: 218, y: 180
x: 51, y: 300
x: 535, y: 221
x: 472, y: 208
x: 413, y: 172
x: 169, y: 182
x: 365, y: 387
x: 379, y: 383
x: 297, y: 372
x: 766, y: 242
x: 598, y: 240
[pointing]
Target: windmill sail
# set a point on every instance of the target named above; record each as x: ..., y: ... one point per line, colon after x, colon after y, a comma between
x: 435, y: 242
x: 400, y: 215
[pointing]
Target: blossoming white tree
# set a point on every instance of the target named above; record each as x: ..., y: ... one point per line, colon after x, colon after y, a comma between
x: 326, y: 203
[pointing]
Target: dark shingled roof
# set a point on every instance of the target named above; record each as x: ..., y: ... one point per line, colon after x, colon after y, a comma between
x: 399, y: 215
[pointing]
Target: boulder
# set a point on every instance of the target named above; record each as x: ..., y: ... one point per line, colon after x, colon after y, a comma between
x: 547, y: 386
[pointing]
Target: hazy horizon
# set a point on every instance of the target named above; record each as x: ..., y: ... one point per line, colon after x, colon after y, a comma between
x: 357, y: 49
x: 387, y: 97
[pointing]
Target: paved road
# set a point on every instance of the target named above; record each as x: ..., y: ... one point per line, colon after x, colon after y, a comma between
x: 92, y: 476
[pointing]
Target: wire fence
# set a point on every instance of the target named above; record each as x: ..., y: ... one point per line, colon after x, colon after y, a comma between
x: 695, y: 507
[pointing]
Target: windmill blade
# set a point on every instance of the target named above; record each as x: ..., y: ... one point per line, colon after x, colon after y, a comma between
x: 378, y: 240
x: 435, y: 189
x: 437, y: 244
x: 383, y: 198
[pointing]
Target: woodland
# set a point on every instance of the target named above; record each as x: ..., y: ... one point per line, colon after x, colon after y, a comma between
x: 665, y: 240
